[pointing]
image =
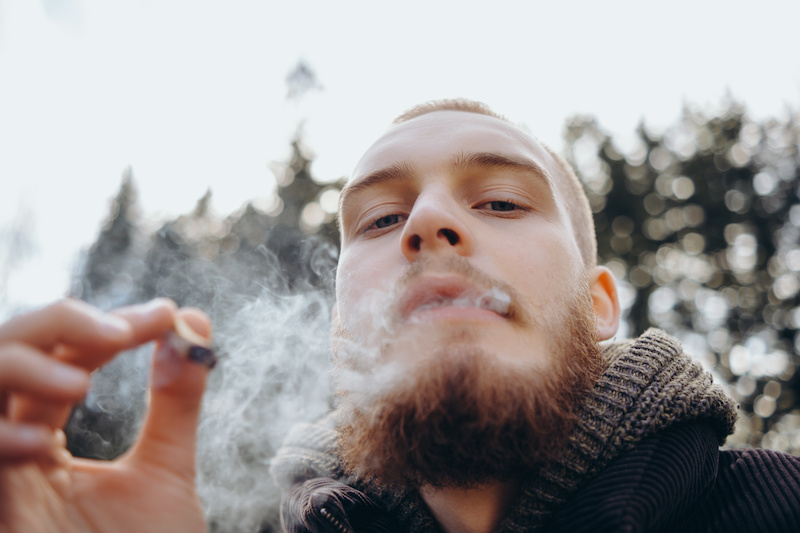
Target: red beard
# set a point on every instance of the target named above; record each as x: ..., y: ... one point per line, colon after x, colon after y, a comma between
x: 465, y: 418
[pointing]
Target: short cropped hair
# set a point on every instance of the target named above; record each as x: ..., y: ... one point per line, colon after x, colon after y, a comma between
x: 575, y: 200
x: 452, y: 104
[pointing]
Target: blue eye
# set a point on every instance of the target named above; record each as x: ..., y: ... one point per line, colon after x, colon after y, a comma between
x: 388, y: 220
x: 502, y: 206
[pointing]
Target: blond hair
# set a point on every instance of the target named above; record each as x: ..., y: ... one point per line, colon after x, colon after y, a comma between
x: 575, y: 200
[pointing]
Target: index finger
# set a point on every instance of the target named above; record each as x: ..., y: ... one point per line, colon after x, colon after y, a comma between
x: 146, y: 322
x: 81, y: 334
x: 70, y: 322
x: 79, y: 339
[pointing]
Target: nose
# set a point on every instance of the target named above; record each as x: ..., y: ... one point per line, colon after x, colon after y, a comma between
x: 435, y: 226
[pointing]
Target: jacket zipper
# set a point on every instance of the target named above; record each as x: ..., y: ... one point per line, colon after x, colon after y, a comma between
x: 342, y: 528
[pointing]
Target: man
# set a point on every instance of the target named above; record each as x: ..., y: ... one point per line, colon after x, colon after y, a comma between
x: 472, y: 394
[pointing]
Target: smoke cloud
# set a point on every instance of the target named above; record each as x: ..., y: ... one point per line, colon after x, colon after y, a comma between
x: 272, y: 336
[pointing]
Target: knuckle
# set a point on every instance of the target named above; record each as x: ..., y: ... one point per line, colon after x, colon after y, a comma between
x: 69, y: 305
x: 11, y: 350
x: 62, y: 308
x: 169, y: 302
x: 72, y: 310
x: 13, y: 355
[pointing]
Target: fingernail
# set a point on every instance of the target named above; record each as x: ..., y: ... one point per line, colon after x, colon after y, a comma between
x: 70, y: 377
x: 113, y: 326
x: 60, y: 437
x: 156, y: 303
x: 32, y: 436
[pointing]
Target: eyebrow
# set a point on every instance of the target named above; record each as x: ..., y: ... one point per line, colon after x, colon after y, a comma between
x: 403, y: 172
x: 491, y: 160
x: 398, y: 173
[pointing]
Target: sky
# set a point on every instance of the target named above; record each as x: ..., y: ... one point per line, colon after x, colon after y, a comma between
x: 192, y: 95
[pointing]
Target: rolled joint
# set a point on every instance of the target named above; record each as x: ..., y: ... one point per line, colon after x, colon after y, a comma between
x: 190, y: 345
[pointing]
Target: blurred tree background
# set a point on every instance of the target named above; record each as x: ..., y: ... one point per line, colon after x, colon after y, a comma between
x: 699, y: 222
x: 201, y: 260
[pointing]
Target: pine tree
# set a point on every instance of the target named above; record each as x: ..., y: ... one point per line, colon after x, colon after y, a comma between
x: 701, y: 225
x: 107, y: 274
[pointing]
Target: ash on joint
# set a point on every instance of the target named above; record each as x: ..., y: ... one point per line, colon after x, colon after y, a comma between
x: 202, y: 355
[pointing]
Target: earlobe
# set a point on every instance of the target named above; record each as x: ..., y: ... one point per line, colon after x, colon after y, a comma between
x: 333, y: 339
x: 605, y: 302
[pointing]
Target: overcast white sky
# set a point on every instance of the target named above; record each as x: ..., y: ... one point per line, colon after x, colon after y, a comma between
x: 192, y: 94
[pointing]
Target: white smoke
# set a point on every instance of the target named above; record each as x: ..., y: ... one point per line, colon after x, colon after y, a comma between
x: 365, y: 373
x: 275, y: 374
x: 271, y: 332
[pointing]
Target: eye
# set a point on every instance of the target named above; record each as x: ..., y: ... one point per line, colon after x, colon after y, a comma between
x: 386, y: 221
x: 501, y: 205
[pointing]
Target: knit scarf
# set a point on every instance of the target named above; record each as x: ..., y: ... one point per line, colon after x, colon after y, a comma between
x: 649, y: 384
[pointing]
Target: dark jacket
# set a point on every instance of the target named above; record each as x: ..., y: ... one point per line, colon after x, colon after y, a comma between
x: 679, y: 480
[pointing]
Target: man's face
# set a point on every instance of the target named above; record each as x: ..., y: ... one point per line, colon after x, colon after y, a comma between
x: 465, y: 318
x: 454, y: 232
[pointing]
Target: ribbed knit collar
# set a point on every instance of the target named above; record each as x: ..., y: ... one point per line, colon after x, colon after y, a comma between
x: 649, y: 385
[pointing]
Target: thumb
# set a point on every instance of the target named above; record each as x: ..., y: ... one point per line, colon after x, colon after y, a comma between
x: 170, y: 429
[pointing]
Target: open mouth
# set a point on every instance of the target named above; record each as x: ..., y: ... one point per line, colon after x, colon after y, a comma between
x: 438, y: 292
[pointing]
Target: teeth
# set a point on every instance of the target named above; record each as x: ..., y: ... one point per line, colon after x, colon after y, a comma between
x: 442, y: 302
x: 493, y: 300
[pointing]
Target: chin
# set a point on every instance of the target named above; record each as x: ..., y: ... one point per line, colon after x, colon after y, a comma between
x: 435, y: 428
x: 428, y: 413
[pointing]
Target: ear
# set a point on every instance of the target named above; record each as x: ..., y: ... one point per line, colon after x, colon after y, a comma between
x: 332, y: 340
x: 605, y: 301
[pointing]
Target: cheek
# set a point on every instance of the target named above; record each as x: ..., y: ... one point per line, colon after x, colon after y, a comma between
x: 550, y: 268
x: 364, y: 274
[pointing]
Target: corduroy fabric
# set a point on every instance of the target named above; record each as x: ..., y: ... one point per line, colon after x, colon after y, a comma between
x: 756, y: 490
x: 678, y: 480
x: 647, y: 488
x: 648, y: 386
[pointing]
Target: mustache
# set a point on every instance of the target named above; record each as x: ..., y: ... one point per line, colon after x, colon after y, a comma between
x: 462, y: 267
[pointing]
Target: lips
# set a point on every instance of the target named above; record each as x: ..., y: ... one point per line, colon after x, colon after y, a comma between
x: 435, y: 291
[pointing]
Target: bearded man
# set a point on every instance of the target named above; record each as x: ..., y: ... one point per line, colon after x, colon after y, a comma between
x: 472, y: 392
x: 473, y: 395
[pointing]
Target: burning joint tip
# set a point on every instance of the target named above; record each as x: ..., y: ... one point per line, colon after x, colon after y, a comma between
x: 202, y: 355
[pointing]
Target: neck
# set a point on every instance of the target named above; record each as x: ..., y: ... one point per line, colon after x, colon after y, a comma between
x: 478, y: 509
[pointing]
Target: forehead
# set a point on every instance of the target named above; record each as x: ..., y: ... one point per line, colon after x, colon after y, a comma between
x: 434, y: 138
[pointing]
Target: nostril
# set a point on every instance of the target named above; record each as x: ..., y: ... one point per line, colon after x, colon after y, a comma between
x: 450, y: 235
x: 414, y: 241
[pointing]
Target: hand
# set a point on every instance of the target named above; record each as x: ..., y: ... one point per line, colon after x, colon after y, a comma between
x: 45, y: 360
